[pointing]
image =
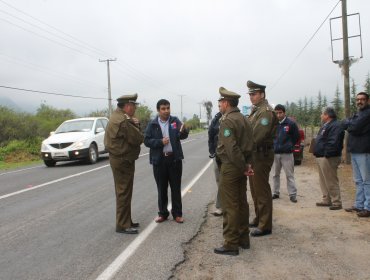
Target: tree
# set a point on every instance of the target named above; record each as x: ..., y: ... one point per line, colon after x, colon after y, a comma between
x: 367, y: 84
x: 50, y: 118
x: 143, y: 113
x: 99, y: 113
x: 317, y: 113
x: 193, y: 123
x: 324, y: 102
x: 337, y: 103
x: 208, y: 106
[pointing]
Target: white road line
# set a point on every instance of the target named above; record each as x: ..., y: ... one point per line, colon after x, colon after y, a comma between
x: 50, y: 182
x: 56, y: 181
x: 19, y: 170
x: 115, y: 266
x: 61, y: 179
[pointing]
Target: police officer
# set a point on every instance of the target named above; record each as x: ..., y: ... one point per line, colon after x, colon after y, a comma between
x: 264, y: 121
x: 234, y: 152
x: 122, y: 140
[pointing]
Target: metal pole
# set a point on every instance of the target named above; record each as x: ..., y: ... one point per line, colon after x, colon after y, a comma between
x: 109, y: 87
x: 181, y: 95
x: 345, y: 60
x: 347, y: 109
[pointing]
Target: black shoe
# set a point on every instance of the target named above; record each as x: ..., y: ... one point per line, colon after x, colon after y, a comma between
x: 245, y: 245
x: 258, y: 232
x: 323, y: 204
x: 128, y: 230
x: 275, y: 196
x: 364, y: 213
x: 335, y: 207
x: 352, y: 209
x: 223, y: 251
x: 293, y: 199
x: 135, y: 225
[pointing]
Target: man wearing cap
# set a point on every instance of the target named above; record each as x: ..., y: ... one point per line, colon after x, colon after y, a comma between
x: 328, y: 150
x: 122, y: 140
x: 162, y: 136
x: 264, y: 121
x: 234, y: 152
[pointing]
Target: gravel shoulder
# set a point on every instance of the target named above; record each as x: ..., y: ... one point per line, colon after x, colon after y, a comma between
x: 308, y: 242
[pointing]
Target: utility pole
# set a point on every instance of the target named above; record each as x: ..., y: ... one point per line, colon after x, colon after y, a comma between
x: 200, y: 110
x: 181, y: 95
x: 109, y: 89
x: 347, y: 105
x: 347, y: 109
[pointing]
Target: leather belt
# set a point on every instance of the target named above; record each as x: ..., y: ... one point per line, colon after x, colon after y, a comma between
x: 167, y: 154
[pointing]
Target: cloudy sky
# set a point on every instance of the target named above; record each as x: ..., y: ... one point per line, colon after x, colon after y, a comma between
x: 169, y: 48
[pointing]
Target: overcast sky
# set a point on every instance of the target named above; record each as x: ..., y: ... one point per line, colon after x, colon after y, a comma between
x: 168, y: 48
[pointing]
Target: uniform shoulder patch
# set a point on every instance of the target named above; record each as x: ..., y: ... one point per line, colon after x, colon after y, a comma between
x: 264, y: 121
x: 227, y: 132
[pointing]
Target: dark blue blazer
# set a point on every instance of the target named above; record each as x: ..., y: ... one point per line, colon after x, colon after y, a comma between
x: 153, y: 139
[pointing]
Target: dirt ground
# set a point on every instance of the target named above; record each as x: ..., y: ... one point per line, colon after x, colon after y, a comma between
x: 307, y: 242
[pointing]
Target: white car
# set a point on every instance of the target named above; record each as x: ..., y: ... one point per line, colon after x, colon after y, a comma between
x: 74, y: 140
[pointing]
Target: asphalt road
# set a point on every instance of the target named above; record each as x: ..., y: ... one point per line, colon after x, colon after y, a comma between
x: 59, y: 223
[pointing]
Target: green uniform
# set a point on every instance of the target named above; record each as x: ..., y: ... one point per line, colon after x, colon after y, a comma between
x: 234, y: 151
x: 122, y: 140
x: 263, y: 120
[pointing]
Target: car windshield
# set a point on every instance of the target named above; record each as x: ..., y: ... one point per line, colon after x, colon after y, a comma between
x: 75, y: 126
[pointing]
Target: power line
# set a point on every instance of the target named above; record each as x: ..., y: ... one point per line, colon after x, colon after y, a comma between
x: 304, y: 47
x: 52, y: 93
x: 126, y: 68
x: 50, y: 71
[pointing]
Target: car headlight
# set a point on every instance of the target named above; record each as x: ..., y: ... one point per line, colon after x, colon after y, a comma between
x: 79, y: 144
x: 44, y: 147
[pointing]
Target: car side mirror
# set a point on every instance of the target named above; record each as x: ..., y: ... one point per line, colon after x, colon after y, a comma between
x: 99, y: 130
x: 51, y: 133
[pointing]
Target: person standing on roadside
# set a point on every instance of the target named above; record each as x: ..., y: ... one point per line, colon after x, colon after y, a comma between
x: 328, y: 150
x: 234, y: 152
x: 358, y: 127
x: 162, y: 136
x: 264, y: 121
x: 122, y: 140
x: 212, y: 145
x: 287, y: 135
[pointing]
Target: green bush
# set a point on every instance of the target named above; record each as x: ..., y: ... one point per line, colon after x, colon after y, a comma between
x: 29, y: 146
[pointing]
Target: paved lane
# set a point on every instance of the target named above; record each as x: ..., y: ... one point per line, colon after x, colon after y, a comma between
x: 66, y: 230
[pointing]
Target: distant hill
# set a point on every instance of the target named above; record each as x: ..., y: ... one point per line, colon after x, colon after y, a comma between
x: 7, y: 102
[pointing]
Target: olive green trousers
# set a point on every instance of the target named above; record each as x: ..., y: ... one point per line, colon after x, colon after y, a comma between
x: 123, y: 174
x: 260, y: 188
x: 235, y: 206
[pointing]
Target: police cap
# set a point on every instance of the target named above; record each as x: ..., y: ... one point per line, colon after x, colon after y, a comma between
x: 131, y: 98
x: 227, y: 95
x: 253, y: 87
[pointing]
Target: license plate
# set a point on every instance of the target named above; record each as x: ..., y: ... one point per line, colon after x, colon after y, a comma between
x: 60, y: 154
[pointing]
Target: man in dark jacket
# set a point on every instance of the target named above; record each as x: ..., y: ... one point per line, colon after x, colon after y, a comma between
x: 163, y: 136
x: 212, y: 145
x: 358, y: 128
x: 287, y: 135
x: 328, y: 150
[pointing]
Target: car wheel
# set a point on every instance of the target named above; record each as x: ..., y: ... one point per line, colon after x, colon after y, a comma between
x: 50, y: 163
x: 297, y: 162
x: 93, y: 154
